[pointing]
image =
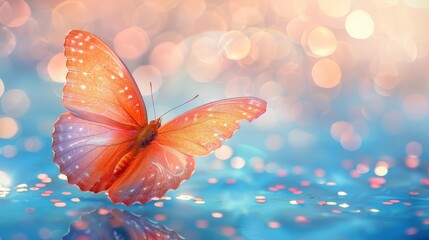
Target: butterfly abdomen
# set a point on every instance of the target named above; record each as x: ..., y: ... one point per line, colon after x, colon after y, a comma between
x: 124, y: 162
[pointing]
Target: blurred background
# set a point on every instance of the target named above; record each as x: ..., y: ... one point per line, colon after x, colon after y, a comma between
x: 339, y: 154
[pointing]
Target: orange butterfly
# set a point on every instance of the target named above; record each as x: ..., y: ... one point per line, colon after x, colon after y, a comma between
x: 105, y: 141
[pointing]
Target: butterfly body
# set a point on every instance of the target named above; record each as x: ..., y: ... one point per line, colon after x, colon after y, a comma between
x: 105, y: 142
x: 145, y: 135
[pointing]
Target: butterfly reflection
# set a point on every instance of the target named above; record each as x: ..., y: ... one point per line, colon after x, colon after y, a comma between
x: 118, y: 225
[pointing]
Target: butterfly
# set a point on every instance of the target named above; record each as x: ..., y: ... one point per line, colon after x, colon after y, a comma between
x: 105, y: 141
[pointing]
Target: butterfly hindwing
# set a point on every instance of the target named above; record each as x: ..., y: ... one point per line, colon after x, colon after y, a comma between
x: 201, y: 130
x: 87, y: 152
x: 155, y: 170
x: 99, y: 87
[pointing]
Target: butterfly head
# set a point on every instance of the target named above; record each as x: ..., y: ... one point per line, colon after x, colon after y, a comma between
x: 156, y: 122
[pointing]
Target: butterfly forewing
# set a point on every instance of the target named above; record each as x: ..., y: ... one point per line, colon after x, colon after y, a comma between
x: 201, y: 130
x: 87, y: 152
x: 99, y: 87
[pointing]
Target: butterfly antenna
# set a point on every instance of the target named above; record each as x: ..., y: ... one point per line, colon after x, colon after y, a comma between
x: 179, y: 105
x: 151, y: 96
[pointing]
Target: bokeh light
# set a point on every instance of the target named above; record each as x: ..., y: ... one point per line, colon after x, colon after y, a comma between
x: 274, y: 142
x: 205, y: 61
x: 351, y: 141
x: 146, y: 75
x: 335, y: 8
x: 8, y: 127
x: 416, y: 106
x: 224, y: 152
x: 8, y: 151
x: 359, y: 24
x: 414, y: 148
x: 412, y: 161
x: 322, y: 42
x: 167, y: 57
x: 33, y: 144
x: 63, y: 18
x: 326, y: 73
x: 235, y: 44
x: 5, y: 180
x: 7, y: 41
x: 1, y: 87
x: 131, y: 42
x: 14, y: 13
x: 57, y: 69
x: 237, y: 162
x: 381, y: 170
x: 15, y: 102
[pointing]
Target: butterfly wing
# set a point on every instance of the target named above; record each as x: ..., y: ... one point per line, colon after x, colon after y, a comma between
x: 87, y: 152
x: 156, y: 169
x: 201, y: 130
x: 99, y: 87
